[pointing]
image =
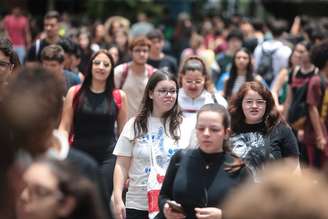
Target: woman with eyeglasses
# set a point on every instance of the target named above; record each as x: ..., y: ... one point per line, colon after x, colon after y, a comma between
x: 196, y: 88
x: 198, y: 181
x: 91, y: 111
x: 259, y: 134
x: 55, y: 190
x: 145, y: 147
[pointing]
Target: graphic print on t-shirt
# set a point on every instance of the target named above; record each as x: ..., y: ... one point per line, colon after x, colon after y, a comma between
x: 250, y: 147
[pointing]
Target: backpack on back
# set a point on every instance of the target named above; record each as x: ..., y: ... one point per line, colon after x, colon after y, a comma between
x: 265, y: 67
x: 150, y: 70
x: 298, y: 109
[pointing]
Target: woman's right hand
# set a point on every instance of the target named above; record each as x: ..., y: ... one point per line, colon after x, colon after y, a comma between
x: 119, y: 208
x: 170, y: 214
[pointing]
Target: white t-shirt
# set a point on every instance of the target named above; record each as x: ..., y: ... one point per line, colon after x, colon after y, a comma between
x: 139, y: 151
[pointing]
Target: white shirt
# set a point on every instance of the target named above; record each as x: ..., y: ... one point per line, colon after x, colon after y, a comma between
x: 139, y: 150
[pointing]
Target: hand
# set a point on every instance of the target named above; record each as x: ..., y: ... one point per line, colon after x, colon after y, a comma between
x: 321, y: 143
x: 119, y: 208
x: 170, y: 214
x: 208, y: 213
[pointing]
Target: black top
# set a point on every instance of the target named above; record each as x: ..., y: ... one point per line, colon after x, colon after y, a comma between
x: 94, y: 125
x: 33, y: 53
x: 256, y: 145
x: 167, y: 63
x: 196, y: 179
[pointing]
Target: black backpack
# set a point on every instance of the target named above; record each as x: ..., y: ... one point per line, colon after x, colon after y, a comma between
x: 298, y: 109
x: 265, y: 67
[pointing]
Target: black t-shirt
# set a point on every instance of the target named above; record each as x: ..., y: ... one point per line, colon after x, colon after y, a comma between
x: 255, y: 145
x: 34, y: 53
x: 167, y: 63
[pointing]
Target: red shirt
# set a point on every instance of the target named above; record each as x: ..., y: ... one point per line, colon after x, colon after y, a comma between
x: 17, y: 29
x: 317, y: 95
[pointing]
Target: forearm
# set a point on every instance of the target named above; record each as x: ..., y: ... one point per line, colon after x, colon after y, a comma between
x: 315, y: 120
x: 120, y: 176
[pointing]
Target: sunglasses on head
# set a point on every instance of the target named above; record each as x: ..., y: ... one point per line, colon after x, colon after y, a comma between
x: 193, y: 65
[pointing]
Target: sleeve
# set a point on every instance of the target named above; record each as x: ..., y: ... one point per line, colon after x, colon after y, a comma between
x: 166, y: 192
x: 221, y: 100
x: 314, y: 91
x: 117, y: 75
x: 220, y: 82
x: 124, y: 145
x: 31, y: 55
x: 288, y: 143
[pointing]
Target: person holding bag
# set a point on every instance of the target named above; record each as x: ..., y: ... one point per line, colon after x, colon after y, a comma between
x: 145, y: 147
x: 198, y: 180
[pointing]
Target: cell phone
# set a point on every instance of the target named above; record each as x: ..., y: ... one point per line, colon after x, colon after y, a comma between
x: 175, y: 207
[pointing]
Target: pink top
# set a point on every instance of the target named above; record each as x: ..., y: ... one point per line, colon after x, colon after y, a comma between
x: 16, y: 28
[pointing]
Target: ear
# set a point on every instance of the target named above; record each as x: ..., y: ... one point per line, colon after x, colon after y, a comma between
x: 227, y: 134
x: 151, y: 94
x: 66, y: 206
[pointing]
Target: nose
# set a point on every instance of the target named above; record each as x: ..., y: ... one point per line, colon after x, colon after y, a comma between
x: 206, y: 131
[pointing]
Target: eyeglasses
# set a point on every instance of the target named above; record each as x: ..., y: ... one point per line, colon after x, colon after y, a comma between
x: 165, y: 92
x: 98, y: 62
x: 140, y: 50
x: 38, y: 192
x: 260, y: 103
x: 196, y: 82
x: 5, y: 65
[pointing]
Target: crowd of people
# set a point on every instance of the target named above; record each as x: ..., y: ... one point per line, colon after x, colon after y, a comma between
x: 119, y: 121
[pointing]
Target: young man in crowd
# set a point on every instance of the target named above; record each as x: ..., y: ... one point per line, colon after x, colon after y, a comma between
x: 52, y: 58
x: 278, y: 49
x: 51, y: 29
x: 315, y: 133
x: 133, y: 76
x: 156, y: 56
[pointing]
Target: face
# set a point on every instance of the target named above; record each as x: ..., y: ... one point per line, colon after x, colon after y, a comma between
x: 164, y: 96
x: 140, y: 54
x: 115, y: 53
x: 101, y: 67
x: 193, y: 83
x: 211, y: 132
x: 254, y: 107
x: 51, y: 27
x: 234, y: 44
x: 100, y: 31
x: 242, y: 60
x: 53, y: 66
x: 156, y: 45
x: 6, y: 67
x: 40, y: 198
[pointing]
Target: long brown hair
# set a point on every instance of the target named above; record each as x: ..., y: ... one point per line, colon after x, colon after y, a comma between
x: 173, y: 116
x: 271, y: 116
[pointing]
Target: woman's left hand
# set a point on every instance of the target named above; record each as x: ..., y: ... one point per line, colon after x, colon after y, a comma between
x: 208, y: 213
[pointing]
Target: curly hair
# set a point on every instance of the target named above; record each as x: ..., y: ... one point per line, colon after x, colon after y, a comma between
x: 319, y: 54
x: 271, y: 116
x: 173, y: 116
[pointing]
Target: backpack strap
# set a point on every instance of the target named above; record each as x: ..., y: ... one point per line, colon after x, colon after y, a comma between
x: 76, y: 89
x: 150, y: 70
x: 124, y: 74
x: 117, y: 98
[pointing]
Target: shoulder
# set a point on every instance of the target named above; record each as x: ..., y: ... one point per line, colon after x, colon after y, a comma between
x: 81, y: 158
